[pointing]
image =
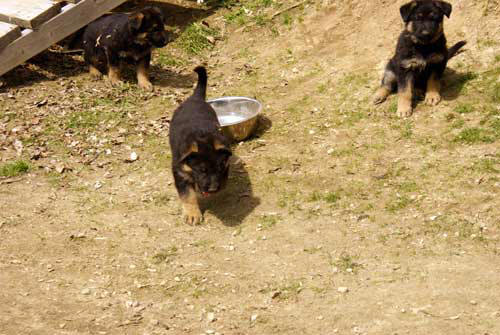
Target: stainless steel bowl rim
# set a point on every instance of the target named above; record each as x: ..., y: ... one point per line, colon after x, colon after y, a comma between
x: 229, y: 98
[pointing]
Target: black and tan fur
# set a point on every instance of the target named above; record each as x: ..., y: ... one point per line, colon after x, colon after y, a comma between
x: 421, y: 55
x: 200, y: 152
x: 117, y: 38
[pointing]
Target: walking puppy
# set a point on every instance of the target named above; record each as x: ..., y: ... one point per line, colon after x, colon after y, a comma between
x: 200, y: 153
x: 115, y: 38
x: 421, y: 55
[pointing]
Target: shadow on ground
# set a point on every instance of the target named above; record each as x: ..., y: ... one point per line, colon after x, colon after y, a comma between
x: 237, y: 201
x: 454, y: 82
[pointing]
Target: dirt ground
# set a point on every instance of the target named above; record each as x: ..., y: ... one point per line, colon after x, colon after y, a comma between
x: 338, y: 218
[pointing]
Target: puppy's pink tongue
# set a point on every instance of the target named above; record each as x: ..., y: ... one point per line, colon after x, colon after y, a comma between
x: 205, y: 194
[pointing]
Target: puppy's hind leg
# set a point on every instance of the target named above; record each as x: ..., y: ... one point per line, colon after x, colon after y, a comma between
x: 388, y: 85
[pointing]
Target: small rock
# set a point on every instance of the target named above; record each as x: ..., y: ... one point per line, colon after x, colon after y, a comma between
x: 210, y: 331
x: 253, y: 317
x: 343, y: 289
x: 86, y: 291
x: 60, y: 168
x: 473, y: 302
x: 97, y: 185
x: 210, y: 317
x: 133, y: 157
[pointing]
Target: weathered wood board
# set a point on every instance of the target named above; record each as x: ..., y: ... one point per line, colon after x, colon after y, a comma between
x: 71, y: 18
x: 28, y: 13
x: 8, y: 33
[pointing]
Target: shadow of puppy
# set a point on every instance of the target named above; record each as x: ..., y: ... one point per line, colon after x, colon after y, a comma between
x: 237, y: 200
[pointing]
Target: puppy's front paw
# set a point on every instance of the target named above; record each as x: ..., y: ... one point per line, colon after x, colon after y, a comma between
x: 404, y: 111
x: 380, y: 95
x: 416, y: 63
x: 432, y: 98
x: 95, y: 74
x: 145, y: 85
x: 192, y: 215
x: 114, y: 81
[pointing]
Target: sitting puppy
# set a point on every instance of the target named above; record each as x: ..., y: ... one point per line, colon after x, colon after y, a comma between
x: 115, y: 38
x: 421, y: 55
x: 200, y: 153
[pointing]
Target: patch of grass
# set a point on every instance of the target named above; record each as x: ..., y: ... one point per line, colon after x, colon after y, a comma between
x: 202, y: 243
x: 495, y: 93
x: 269, y: 221
x: 168, y: 60
x: 399, y: 203
x: 291, y: 290
x: 14, y: 169
x: 322, y: 88
x: 407, y: 130
x: 393, y: 108
x: 164, y: 255
x: 474, y: 135
x: 347, y: 263
x: 287, y: 19
x: 463, y: 109
x: 239, y: 16
x: 196, y: 38
x: 331, y: 197
x: 487, y: 165
x: 408, y: 186
x: 458, y: 123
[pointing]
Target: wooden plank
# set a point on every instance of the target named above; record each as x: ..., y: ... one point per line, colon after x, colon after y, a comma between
x: 72, y: 1
x: 28, y: 13
x: 72, y: 18
x: 8, y: 33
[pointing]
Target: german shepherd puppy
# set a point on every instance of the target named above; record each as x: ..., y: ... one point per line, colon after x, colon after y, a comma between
x: 114, y: 38
x: 421, y: 55
x: 200, y: 153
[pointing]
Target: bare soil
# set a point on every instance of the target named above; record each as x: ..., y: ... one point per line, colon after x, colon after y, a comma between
x: 339, y: 217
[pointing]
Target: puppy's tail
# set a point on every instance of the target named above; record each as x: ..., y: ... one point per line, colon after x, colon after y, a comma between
x: 201, y: 88
x: 455, y: 50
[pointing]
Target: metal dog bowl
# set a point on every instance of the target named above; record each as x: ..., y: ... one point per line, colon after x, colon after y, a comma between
x: 237, y: 115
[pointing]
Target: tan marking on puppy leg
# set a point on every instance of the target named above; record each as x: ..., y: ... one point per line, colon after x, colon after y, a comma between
x: 94, y: 72
x: 404, y: 100
x: 381, y: 94
x: 218, y: 145
x: 432, y: 96
x: 192, y: 213
x: 143, y: 78
x: 114, y: 75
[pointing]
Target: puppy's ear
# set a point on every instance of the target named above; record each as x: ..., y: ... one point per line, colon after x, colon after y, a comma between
x: 406, y: 10
x: 445, y: 7
x: 135, y: 20
x: 191, y: 149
